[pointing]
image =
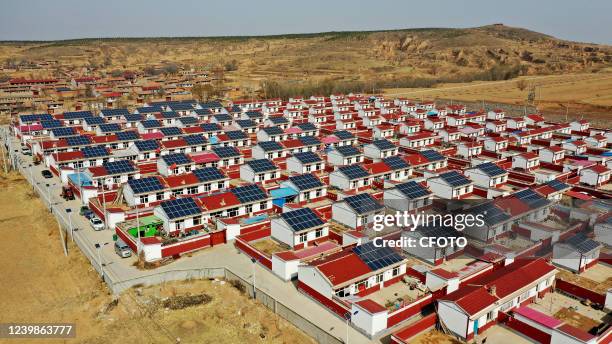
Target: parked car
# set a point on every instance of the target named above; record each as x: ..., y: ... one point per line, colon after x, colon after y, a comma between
x: 26, y: 151
x: 47, y: 174
x: 84, y: 211
x: 96, y: 223
x: 67, y: 193
x: 122, y: 249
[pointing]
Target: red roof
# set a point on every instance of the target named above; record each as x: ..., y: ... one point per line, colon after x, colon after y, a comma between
x: 182, y: 180
x: 444, y: 274
x: 599, y: 169
x: 554, y: 149
x: 204, y: 158
x: 219, y: 201
x: 344, y: 269
x: 371, y: 306
x: 575, y: 332
x: 475, y: 297
x: 377, y: 167
x: 538, y: 317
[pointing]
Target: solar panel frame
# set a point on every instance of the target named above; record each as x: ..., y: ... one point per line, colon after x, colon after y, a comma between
x: 270, y: 146
x: 210, y: 127
x: 455, y: 179
x: 246, y: 123
x: 531, y: 198
x: 50, y: 124
x: 413, y: 190
x: 262, y: 165
x: 95, y: 151
x: 180, y: 208
x: 396, y: 163
x: 307, y: 157
x: 377, y: 258
x: 491, y: 169
x: 78, y: 140
x: 343, y: 135
x: 110, y: 127
x: 36, y: 117
x: 151, y: 123
x: 309, y: 140
x: 307, y: 126
x: 384, y: 145
x: 348, y: 151
x: 273, y: 131
x: 119, y: 166
x: 94, y: 120
x: 176, y: 158
x: 354, y: 171
x: 207, y: 174
x: 363, y: 203
x: 557, y: 185
x: 306, y: 181
x: 226, y: 152
x: 171, y: 131
x: 249, y: 193
x: 302, y: 219
x: 432, y: 155
x: 63, y: 131
x: 236, y: 135
x: 144, y: 185
x: 129, y: 135
x: 146, y: 145
x: 195, y: 140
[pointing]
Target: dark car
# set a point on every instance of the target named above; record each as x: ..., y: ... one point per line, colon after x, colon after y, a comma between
x: 85, y: 211
x: 47, y: 174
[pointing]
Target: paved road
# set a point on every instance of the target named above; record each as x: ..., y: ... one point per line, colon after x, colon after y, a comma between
x: 118, y: 270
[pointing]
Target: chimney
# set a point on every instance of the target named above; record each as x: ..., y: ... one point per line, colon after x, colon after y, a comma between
x: 493, y: 290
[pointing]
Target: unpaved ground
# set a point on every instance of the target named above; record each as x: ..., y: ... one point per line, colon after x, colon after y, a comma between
x: 576, y: 319
x: 434, y: 337
x: 40, y: 284
x: 597, y: 286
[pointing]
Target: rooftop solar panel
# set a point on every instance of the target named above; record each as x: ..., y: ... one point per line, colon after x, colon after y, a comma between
x: 151, y: 123
x: 302, y: 219
x: 169, y: 115
x: 79, y: 140
x: 455, y: 179
x: 249, y: 193
x: 133, y: 117
x: 531, y: 198
x: 343, y: 135
x: 270, y: 146
x: 211, y: 105
x: 262, y: 165
x: 171, y: 131
x: 582, y: 243
x: 149, y: 109
x: 273, y: 131
x: 195, y: 140
x: 226, y: 152
x: 94, y: 120
x: 114, y: 112
x: 491, y: 169
x: 306, y: 182
x: 210, y: 127
x: 119, y: 166
x: 246, y: 123
x: 181, y: 107
x: 110, y: 127
x: 384, y: 144
x: 145, y: 185
x: 396, y: 163
x: 347, y: 151
x: 146, y: 145
x: 236, y: 135
x: 130, y: 135
x: 363, y: 203
x: 492, y: 214
x: 412, y: 190
x: 180, y: 207
x: 95, y: 152
x: 557, y: 185
x: 254, y: 114
x: 222, y: 117
x: 188, y: 120
x: 277, y: 120
x: 207, y: 174
x: 35, y: 117
x: 432, y: 155
x: 176, y: 158
x: 377, y: 258
x: 77, y: 114
x: 203, y: 112
x: 307, y: 126
x: 50, y: 124
x: 63, y: 131
x: 354, y: 171
x: 307, y: 157
x: 309, y: 140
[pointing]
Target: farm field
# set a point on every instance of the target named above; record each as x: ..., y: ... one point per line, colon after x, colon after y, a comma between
x: 49, y: 287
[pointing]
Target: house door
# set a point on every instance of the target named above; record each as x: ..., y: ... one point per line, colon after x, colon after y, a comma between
x: 475, y: 327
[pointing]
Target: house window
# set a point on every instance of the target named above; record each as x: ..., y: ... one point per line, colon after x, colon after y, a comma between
x: 303, y: 237
x: 197, y: 220
x: 232, y: 212
x: 144, y: 199
x: 263, y: 205
x: 159, y: 196
x: 179, y: 225
x: 249, y: 208
x: 396, y: 271
x: 319, y: 233
x: 379, y: 278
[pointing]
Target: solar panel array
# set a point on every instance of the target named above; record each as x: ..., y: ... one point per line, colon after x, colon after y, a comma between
x: 226, y: 152
x: 114, y: 112
x: 146, y: 145
x: 171, y: 131
x: 208, y: 127
x: 307, y: 157
x: 396, y: 163
x: 377, y: 258
x: 79, y: 140
x: 63, y: 131
x: 363, y: 203
x: 254, y: 114
x: 170, y: 115
x: 188, y: 120
x: 134, y: 117
x: 181, y: 107
x: 307, y: 126
x: 149, y: 109
x: 437, y: 231
x: 270, y: 146
x: 95, y: 152
x: 145, y: 185
x: 127, y: 135
x: 246, y: 123
x: 151, y: 123
x: 309, y: 140
x: 176, y: 158
x: 273, y: 130
x: 278, y: 120
x: 94, y: 120
x: 412, y: 189
x: 557, y: 185
x: 119, y: 167
x: 454, y: 178
x: 222, y: 117
x: 236, y: 135
x: 306, y: 181
x: 207, y: 174
x: 203, y: 112
x: 582, y: 243
x: 354, y: 171
x: 77, y: 114
x: 343, y: 135
x: 249, y: 193
x: 432, y: 155
x: 110, y: 127
x: 261, y: 165
x: 194, y: 140
x: 492, y: 214
x: 348, y: 151
x: 531, y: 198
x: 50, y: 124
x: 35, y: 117
x: 383, y: 144
x: 302, y: 219
x: 491, y: 170
x: 180, y: 207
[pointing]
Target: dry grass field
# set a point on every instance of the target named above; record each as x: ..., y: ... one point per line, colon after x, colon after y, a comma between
x: 40, y: 284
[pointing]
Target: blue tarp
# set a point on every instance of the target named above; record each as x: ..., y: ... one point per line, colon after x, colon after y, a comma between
x: 255, y: 219
x: 213, y: 140
x: 80, y: 179
x: 282, y: 193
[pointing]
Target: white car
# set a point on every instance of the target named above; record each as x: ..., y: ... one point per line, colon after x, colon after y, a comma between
x: 96, y: 223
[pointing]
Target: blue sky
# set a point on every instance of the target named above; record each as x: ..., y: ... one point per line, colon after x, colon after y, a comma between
x: 586, y: 20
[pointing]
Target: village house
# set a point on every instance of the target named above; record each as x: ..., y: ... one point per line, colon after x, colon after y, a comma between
x: 450, y: 185
x: 299, y: 228
x: 307, y: 186
x: 350, y: 177
x: 487, y: 175
x: 357, y: 211
x: 259, y: 171
x: 344, y: 155
x: 595, y: 176
x: 305, y: 162
x: 379, y: 149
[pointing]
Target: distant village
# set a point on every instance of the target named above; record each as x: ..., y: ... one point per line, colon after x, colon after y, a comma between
x: 294, y: 184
